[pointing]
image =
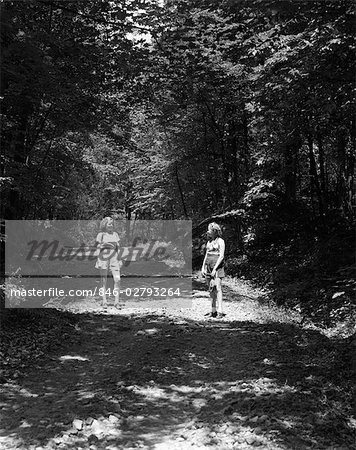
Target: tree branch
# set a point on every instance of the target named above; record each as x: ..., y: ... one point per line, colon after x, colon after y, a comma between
x: 93, y: 18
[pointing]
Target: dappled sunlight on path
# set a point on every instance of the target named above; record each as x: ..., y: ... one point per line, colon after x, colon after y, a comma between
x: 173, y: 380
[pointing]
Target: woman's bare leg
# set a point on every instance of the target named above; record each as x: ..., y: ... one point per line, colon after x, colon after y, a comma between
x: 104, y: 278
x: 213, y: 300
x: 219, y: 298
x: 116, y: 288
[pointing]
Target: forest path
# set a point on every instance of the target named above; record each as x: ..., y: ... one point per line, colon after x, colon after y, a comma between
x: 176, y: 380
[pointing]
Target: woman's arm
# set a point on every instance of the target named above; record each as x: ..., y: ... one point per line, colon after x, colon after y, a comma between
x: 203, y: 265
x: 98, y: 240
x: 221, y: 256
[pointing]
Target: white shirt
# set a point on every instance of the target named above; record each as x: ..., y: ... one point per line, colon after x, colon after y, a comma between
x: 108, y: 238
x: 214, y: 247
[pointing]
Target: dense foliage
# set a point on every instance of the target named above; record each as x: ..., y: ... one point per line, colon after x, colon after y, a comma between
x: 189, y: 110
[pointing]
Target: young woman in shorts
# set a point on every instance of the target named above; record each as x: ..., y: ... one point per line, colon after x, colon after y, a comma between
x: 213, y: 268
x: 108, y: 242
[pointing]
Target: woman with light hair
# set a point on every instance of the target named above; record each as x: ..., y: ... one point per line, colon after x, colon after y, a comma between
x: 213, y: 268
x: 108, y: 241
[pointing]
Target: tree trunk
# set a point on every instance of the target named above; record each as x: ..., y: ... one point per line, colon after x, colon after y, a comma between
x: 15, y: 206
x: 322, y: 167
x: 245, y: 140
x: 346, y: 161
x: 291, y: 151
x: 181, y: 192
x: 350, y: 172
x: 314, y: 175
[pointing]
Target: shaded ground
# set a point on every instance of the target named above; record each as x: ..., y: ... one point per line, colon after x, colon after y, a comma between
x: 176, y: 380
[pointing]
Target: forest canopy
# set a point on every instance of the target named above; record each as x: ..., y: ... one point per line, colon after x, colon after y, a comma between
x: 225, y: 102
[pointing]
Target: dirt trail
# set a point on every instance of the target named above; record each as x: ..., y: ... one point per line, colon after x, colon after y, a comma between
x: 176, y: 380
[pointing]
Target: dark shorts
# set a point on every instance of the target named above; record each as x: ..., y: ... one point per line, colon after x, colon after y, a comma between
x: 210, y: 264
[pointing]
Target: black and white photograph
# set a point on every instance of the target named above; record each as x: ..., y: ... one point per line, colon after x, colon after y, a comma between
x: 177, y: 225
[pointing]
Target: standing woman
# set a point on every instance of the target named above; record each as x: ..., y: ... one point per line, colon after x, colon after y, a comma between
x: 213, y: 267
x: 108, y: 242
